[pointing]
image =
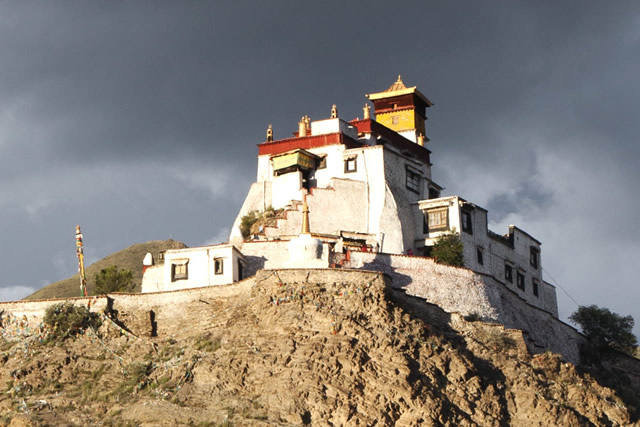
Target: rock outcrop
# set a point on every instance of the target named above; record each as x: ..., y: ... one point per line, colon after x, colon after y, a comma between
x: 297, y: 347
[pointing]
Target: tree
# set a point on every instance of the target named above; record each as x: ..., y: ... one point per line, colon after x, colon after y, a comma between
x: 448, y: 250
x: 112, y: 279
x: 605, y: 329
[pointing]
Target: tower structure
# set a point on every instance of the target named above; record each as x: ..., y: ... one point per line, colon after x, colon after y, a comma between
x: 402, y: 109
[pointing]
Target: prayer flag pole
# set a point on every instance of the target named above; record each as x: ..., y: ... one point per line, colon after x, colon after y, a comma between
x: 80, y: 252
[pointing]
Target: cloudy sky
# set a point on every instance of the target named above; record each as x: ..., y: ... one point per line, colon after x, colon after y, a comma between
x: 138, y: 120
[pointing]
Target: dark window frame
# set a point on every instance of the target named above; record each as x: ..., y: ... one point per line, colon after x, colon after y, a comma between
x: 322, y: 163
x: 520, y: 280
x: 534, y: 257
x: 413, y: 180
x: 480, y: 255
x: 218, y: 266
x: 467, y: 227
x: 347, y: 168
x: 179, y: 275
x: 536, y: 287
x: 508, y: 273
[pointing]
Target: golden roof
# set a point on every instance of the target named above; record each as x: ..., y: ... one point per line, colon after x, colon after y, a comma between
x: 398, y: 88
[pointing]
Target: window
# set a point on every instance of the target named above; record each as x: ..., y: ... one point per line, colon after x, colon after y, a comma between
x: 480, y: 255
x: 520, y: 280
x: 438, y: 219
x: 351, y: 165
x: 536, y: 290
x: 179, y: 271
x: 322, y: 163
x: 425, y: 225
x: 433, y: 193
x: 508, y: 273
x: 413, y: 181
x: 534, y: 257
x: 467, y: 226
x: 218, y: 265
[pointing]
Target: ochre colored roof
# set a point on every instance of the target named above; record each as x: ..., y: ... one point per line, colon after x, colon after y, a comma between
x: 398, y: 88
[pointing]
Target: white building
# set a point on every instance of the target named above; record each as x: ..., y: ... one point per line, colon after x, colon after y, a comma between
x: 369, y: 187
x: 193, y: 268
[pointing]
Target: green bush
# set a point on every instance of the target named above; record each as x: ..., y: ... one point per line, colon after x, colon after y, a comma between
x: 250, y: 223
x: 112, y: 279
x: 448, y: 249
x: 67, y: 320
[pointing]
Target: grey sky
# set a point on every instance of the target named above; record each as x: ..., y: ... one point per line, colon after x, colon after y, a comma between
x: 138, y: 120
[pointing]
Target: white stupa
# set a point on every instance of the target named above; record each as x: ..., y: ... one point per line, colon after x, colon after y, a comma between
x: 305, y: 251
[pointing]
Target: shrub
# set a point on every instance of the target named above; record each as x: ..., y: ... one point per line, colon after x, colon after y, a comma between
x: 112, y: 279
x: 250, y: 223
x: 67, y: 320
x: 448, y: 249
x: 605, y: 329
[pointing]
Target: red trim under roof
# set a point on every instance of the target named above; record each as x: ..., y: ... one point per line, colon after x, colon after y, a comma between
x: 394, y: 138
x: 306, y: 142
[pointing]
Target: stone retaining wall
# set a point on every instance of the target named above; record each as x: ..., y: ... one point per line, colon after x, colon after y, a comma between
x: 460, y: 290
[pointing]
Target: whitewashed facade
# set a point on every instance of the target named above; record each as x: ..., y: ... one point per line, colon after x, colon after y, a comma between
x: 369, y: 180
x: 194, y: 268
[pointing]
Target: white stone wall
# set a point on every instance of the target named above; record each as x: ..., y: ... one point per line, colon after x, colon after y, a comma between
x: 259, y: 255
x: 460, y: 290
x: 258, y: 199
x: 200, y: 268
x: 327, y: 126
x: 153, y: 279
x: 285, y: 188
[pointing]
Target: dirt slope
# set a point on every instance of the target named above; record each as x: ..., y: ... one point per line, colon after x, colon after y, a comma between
x: 301, y: 349
x: 129, y: 258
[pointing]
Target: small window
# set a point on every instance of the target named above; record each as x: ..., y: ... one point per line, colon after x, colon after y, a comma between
x: 322, y: 163
x: 520, y: 280
x: 534, y: 257
x: 351, y: 165
x: 218, y: 265
x: 508, y: 273
x: 179, y: 272
x: 438, y: 219
x: 433, y: 193
x: 480, y: 256
x: 425, y: 225
x: 536, y: 290
x: 467, y: 225
x: 413, y: 181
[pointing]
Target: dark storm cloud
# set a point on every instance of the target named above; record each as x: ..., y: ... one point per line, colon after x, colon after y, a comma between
x: 139, y: 120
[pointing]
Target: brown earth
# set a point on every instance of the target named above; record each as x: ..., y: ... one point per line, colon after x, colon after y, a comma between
x: 291, y: 348
x: 129, y: 259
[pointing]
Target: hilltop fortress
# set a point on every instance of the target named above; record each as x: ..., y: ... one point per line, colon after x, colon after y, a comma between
x: 359, y: 194
x: 343, y: 196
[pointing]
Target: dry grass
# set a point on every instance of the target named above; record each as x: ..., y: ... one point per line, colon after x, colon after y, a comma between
x: 129, y: 258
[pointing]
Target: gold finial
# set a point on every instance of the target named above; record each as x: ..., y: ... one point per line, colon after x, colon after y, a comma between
x: 302, y: 127
x: 399, y: 79
x: 421, y: 140
x: 305, y: 216
x: 334, y: 111
x: 307, y: 123
x: 366, y: 109
x: 269, y: 133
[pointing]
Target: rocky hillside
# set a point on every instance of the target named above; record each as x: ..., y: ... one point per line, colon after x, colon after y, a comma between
x: 129, y: 258
x: 295, y: 347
